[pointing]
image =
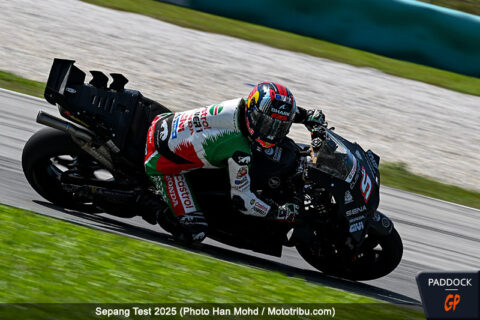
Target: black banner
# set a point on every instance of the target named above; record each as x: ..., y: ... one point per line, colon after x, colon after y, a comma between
x: 450, y: 295
x: 210, y: 311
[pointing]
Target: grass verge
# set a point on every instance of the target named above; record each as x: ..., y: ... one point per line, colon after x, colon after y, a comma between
x: 52, y: 261
x: 289, y: 41
x: 13, y: 82
x: 48, y: 260
x: 397, y: 176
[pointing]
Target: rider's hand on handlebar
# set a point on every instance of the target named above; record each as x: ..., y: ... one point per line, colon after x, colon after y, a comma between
x: 315, y: 118
x: 288, y: 212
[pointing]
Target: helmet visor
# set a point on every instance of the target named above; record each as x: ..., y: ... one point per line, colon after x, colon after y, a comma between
x: 270, y: 128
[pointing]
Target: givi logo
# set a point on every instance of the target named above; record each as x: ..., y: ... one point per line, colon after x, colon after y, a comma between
x: 450, y: 295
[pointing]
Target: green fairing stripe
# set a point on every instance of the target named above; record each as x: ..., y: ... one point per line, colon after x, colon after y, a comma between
x: 151, y: 166
x: 221, y: 147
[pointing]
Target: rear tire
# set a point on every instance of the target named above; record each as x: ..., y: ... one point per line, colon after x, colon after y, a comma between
x: 375, y: 264
x: 37, y: 166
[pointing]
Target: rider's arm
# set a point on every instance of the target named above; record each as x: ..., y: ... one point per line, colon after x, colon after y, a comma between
x: 247, y: 201
x: 300, y: 115
x: 243, y: 198
x: 311, y: 116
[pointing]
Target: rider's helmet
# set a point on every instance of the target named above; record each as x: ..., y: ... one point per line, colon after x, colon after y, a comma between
x: 269, y: 113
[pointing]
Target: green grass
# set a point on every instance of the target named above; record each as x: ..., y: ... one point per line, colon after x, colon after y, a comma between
x: 397, y: 176
x: 289, y: 41
x: 469, y: 6
x: 45, y: 260
x: 48, y: 260
x: 16, y: 83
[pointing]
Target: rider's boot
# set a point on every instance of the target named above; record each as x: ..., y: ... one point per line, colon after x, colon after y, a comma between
x: 151, y: 207
x: 194, y: 227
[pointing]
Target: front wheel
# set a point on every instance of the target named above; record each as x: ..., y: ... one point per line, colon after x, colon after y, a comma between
x: 377, y: 258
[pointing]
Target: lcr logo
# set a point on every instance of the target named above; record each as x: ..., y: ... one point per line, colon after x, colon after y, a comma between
x: 451, y: 302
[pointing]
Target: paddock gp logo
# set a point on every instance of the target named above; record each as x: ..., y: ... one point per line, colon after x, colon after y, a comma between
x: 450, y: 295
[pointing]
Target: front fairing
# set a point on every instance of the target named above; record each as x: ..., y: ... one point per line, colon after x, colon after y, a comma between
x: 356, y: 194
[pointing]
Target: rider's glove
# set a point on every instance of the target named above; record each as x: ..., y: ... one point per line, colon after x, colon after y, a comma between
x: 287, y: 212
x: 315, y: 117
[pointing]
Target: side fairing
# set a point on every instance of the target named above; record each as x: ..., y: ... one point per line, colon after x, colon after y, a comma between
x: 358, y: 199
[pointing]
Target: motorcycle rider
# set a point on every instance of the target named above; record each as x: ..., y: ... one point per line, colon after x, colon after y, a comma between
x: 222, y: 135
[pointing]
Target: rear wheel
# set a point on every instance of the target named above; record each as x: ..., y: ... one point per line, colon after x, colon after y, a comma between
x: 377, y: 258
x: 47, y: 155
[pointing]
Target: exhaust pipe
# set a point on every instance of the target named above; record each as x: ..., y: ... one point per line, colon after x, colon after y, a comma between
x: 80, y: 136
x: 57, y: 123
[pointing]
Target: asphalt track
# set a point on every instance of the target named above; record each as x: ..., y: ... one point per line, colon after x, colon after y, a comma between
x: 437, y: 235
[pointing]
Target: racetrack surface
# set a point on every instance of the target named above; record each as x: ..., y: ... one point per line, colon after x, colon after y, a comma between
x: 432, y: 129
x: 437, y: 235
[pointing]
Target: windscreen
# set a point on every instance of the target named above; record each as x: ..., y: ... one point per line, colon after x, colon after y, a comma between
x: 335, y: 159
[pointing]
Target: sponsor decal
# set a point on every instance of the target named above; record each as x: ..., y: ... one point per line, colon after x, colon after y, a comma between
x: 264, y: 143
x: 278, y: 154
x: 386, y: 222
x: 450, y: 295
x: 172, y: 195
x: 354, y: 181
x: 283, y: 113
x: 274, y: 182
x: 215, y: 109
x: 151, y: 131
x: 164, y: 133
x: 241, y: 181
x: 356, y: 211
x: 366, y: 185
x: 279, y: 116
x: 244, y: 187
x: 241, y: 172
x: 269, y: 151
x: 244, y: 159
x: 356, y: 226
x: 362, y: 217
x: 352, y: 172
x: 260, y: 208
x: 283, y: 98
x: 348, y: 197
x: 175, y: 127
x: 184, y: 192
x: 195, y: 120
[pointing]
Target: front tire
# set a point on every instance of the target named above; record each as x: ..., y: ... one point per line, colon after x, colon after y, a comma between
x: 372, y: 263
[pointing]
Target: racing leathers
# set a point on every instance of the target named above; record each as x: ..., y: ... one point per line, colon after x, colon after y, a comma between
x: 209, y: 137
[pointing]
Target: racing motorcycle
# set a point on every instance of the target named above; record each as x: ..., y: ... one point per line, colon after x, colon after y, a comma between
x: 94, y: 163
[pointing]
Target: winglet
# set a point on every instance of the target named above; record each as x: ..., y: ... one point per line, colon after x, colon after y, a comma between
x: 119, y: 81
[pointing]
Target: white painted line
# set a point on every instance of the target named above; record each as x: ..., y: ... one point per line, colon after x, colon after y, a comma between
x: 15, y: 93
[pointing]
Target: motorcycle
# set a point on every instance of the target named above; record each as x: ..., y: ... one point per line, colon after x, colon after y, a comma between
x: 94, y: 163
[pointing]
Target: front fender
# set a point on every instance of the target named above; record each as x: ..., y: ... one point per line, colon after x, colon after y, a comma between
x: 380, y: 225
